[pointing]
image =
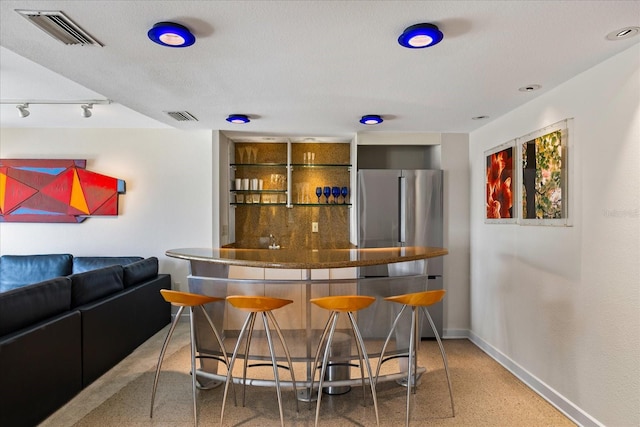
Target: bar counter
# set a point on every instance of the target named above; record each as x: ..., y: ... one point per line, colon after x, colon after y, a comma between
x: 306, y: 259
x: 300, y: 275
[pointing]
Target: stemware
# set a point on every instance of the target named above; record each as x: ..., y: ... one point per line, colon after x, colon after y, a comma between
x: 327, y: 193
x: 319, y: 193
x: 345, y: 192
x: 335, y: 191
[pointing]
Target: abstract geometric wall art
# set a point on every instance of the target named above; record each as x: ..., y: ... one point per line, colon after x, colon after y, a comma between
x: 55, y: 191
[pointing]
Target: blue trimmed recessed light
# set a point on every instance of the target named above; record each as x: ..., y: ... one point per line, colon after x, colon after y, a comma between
x: 171, y: 34
x: 420, y: 36
x: 371, y: 119
x: 238, y: 118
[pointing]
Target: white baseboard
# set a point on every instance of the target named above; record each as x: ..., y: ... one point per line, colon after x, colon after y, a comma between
x: 565, y: 406
x: 455, y: 334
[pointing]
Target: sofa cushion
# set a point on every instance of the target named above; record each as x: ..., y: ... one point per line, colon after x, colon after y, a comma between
x: 20, y: 270
x: 31, y: 304
x: 92, y: 285
x: 140, y: 271
x: 87, y: 263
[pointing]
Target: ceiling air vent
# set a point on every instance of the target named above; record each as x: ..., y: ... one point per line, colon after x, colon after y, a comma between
x: 59, y: 26
x: 182, y: 116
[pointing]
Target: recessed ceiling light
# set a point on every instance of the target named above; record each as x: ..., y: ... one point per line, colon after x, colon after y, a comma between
x: 479, y: 117
x: 529, y: 88
x: 623, y: 33
x: 371, y: 119
x: 171, y: 34
x: 420, y: 36
x: 238, y: 118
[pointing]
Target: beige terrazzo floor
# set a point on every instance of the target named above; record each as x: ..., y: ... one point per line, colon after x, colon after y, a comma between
x: 485, y: 395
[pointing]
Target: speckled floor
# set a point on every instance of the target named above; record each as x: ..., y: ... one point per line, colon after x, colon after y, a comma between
x: 484, y: 393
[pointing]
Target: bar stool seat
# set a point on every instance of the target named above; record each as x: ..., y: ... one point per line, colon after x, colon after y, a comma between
x: 259, y: 305
x: 348, y: 304
x: 182, y: 300
x: 416, y: 300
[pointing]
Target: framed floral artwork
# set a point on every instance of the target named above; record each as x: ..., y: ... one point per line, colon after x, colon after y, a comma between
x: 544, y: 180
x: 500, y: 184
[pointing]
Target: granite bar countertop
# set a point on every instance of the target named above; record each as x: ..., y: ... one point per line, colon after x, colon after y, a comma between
x: 307, y: 258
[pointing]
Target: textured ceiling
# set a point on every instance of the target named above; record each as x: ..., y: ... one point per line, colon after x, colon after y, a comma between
x: 303, y: 68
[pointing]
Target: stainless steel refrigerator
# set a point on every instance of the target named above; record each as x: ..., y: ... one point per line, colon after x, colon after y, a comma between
x: 400, y: 207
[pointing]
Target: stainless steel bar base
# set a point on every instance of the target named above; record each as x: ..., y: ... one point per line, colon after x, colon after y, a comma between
x: 303, y: 386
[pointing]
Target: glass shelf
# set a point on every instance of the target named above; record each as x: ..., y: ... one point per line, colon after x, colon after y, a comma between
x: 322, y: 204
x: 258, y: 165
x: 258, y: 191
x: 258, y: 204
x: 320, y: 165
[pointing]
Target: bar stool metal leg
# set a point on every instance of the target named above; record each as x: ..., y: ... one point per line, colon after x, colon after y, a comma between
x: 444, y: 358
x: 183, y: 300
x: 347, y: 304
x: 246, y: 333
x: 416, y: 301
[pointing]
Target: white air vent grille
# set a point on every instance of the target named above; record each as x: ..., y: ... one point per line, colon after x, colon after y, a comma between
x: 59, y: 26
x: 182, y: 116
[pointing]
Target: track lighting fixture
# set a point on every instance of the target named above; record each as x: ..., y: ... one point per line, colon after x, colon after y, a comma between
x: 86, y: 110
x: 86, y: 104
x: 22, y: 110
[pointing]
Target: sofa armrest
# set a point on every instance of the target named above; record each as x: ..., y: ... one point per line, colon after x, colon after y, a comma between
x: 114, y: 326
x: 40, y: 370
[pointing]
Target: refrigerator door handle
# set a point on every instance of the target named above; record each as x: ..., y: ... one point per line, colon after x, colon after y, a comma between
x: 402, y: 219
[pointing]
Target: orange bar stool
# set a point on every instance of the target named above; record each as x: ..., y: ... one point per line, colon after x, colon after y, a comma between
x: 182, y: 300
x: 415, y: 301
x: 259, y: 305
x: 348, y: 304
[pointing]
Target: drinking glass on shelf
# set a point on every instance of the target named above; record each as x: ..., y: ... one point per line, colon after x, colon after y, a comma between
x: 345, y: 192
x: 319, y: 193
x: 299, y: 192
x: 335, y: 191
x: 241, y: 154
x: 327, y: 193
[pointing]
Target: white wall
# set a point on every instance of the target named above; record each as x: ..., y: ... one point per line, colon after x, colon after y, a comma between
x: 455, y: 164
x: 561, y: 305
x: 168, y: 202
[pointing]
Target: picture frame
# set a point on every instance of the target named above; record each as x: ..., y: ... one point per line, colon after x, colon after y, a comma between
x: 501, y: 184
x: 543, y: 170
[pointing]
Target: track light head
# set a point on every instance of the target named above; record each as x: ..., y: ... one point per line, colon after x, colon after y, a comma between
x: 22, y: 110
x: 86, y: 113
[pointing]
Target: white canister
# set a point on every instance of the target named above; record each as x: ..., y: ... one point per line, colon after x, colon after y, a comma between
x: 238, y: 184
x: 245, y: 183
x: 254, y: 184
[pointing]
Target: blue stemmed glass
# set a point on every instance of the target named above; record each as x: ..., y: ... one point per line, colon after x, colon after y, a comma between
x: 335, y: 191
x: 327, y: 193
x: 318, y: 193
x: 345, y: 192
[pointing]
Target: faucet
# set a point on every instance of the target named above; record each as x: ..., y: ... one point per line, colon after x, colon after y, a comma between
x: 273, y: 244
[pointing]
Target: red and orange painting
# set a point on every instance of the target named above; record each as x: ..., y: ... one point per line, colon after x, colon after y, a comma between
x: 51, y: 190
x: 500, y: 184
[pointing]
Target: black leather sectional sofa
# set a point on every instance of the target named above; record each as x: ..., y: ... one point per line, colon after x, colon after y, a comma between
x: 82, y: 317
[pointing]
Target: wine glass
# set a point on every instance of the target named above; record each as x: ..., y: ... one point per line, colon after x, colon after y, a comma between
x: 335, y: 191
x: 345, y: 192
x: 318, y: 193
x: 327, y: 193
